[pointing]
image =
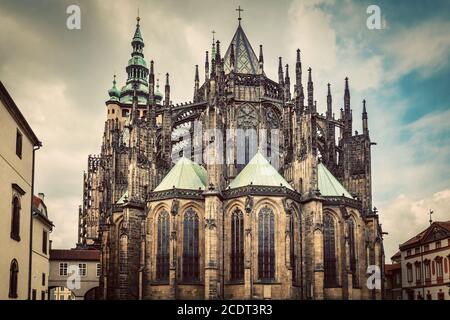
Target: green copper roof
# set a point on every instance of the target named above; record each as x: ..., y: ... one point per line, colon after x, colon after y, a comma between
x: 245, y: 58
x: 185, y: 174
x: 114, y: 92
x: 329, y: 185
x: 259, y: 172
x: 122, y: 198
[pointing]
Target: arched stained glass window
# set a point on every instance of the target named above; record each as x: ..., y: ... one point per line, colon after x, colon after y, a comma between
x: 266, y: 244
x: 162, y: 252
x: 237, y: 245
x: 191, y: 267
x: 352, y: 248
x: 329, y: 239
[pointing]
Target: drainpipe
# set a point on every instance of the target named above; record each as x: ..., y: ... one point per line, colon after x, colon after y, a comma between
x: 30, y: 255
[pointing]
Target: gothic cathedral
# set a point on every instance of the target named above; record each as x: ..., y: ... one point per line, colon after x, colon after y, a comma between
x: 284, y: 211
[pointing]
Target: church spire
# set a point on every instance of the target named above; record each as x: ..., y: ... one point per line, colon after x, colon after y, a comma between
x: 280, y: 71
x: 347, y: 110
x: 310, y: 91
x: 167, y: 91
x: 365, y: 124
x: 206, y: 66
x: 261, y: 59
x: 329, y: 103
x: 196, y: 84
x: 298, y: 73
x: 287, y: 84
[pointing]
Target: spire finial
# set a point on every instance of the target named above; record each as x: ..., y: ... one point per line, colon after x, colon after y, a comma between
x: 114, y: 81
x: 239, y: 10
x: 138, y: 18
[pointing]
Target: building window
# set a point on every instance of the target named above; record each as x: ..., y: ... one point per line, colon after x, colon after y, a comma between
x: 438, y: 245
x: 191, y: 267
x: 13, y: 278
x: 352, y: 247
x: 15, y: 219
x: 329, y: 245
x: 409, y: 274
x: 19, y: 144
x: 82, y: 269
x: 237, y: 245
x: 43, y: 279
x: 43, y: 295
x: 44, y: 241
x: 417, y: 250
x: 408, y: 253
x: 439, y: 269
x: 427, y: 270
x: 162, y: 255
x: 266, y: 244
x: 63, y: 268
x: 125, y: 113
x: 33, y: 294
x: 426, y: 248
x: 99, y: 270
x: 398, y: 278
x: 418, y: 267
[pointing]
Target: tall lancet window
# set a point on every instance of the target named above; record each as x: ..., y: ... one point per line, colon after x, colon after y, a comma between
x: 292, y: 254
x: 266, y: 244
x: 237, y: 245
x: 352, y: 248
x: 162, y: 255
x: 13, y: 278
x: 191, y: 267
x: 329, y: 239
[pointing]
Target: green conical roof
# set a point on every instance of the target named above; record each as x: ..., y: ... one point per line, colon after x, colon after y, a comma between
x: 259, y: 172
x: 114, y: 93
x: 329, y: 185
x: 184, y: 175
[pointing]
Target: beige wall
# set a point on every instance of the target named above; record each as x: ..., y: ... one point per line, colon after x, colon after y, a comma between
x: 91, y: 280
x: 18, y: 171
x: 40, y: 262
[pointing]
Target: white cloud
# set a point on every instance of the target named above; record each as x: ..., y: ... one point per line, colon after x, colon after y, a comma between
x: 404, y: 217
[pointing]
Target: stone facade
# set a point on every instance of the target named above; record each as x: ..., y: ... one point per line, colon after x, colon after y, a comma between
x: 301, y: 239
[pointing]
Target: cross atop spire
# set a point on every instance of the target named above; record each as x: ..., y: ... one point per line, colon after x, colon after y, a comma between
x: 239, y: 10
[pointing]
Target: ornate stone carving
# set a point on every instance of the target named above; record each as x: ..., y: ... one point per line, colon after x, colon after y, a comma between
x: 175, y: 207
x: 210, y: 223
x: 248, y: 204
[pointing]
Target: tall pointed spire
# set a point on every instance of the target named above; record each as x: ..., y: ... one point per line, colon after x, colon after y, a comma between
x: 365, y: 124
x: 280, y: 71
x: 206, y: 66
x: 196, y: 84
x: 167, y: 91
x: 310, y: 91
x: 246, y: 60
x: 329, y: 103
x: 298, y: 73
x: 261, y: 59
x: 287, y: 84
x: 347, y: 110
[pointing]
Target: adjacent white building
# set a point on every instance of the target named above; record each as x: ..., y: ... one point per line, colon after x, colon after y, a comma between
x: 74, y: 274
x: 425, y: 264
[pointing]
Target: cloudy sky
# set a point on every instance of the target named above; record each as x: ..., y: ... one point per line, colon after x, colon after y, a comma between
x: 60, y: 77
